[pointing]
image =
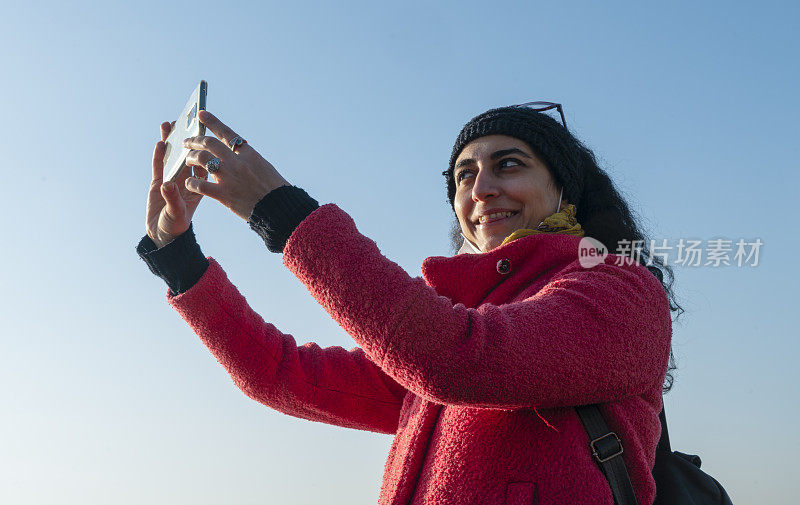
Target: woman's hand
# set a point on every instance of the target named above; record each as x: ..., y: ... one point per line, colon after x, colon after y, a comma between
x: 243, y: 176
x: 169, y: 206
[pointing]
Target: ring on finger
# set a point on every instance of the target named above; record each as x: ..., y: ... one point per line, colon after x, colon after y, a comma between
x: 236, y: 142
x: 213, y: 165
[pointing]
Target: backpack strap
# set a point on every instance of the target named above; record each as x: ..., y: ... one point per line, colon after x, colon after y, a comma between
x: 607, y: 451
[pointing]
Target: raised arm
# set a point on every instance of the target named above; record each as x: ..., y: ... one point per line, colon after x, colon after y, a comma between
x: 587, y: 336
x: 330, y: 385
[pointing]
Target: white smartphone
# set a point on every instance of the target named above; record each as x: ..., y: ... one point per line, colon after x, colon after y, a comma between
x: 187, y: 125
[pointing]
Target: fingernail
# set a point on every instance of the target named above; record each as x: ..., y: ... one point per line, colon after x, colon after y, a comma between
x: 169, y: 186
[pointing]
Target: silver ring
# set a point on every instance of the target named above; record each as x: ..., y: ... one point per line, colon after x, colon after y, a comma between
x: 236, y: 142
x: 213, y: 165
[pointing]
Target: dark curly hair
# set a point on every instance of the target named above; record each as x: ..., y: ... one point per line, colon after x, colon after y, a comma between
x: 602, y: 211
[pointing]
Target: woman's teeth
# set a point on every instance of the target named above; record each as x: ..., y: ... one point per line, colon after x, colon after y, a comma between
x: 495, y: 216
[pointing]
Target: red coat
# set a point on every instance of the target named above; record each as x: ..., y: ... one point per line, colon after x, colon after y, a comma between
x: 454, y: 363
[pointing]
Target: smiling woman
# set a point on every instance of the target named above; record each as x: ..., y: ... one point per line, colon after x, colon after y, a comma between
x: 478, y: 368
x: 501, y: 186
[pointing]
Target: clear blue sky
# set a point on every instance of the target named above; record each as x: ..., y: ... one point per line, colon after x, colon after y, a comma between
x: 108, y: 396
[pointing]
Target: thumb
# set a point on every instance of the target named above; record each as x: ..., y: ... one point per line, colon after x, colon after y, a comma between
x: 176, y: 207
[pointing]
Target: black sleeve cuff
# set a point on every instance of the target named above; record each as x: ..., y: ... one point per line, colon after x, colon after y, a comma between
x: 180, y: 263
x: 276, y: 215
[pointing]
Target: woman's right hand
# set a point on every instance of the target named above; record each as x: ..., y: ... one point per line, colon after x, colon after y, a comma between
x: 170, y: 206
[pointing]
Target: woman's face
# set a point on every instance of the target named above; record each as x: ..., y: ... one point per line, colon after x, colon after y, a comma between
x: 501, y: 186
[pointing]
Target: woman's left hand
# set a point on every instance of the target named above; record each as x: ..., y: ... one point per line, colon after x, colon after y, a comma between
x: 243, y: 176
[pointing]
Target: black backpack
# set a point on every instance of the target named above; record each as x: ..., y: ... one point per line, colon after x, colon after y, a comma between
x: 679, y: 480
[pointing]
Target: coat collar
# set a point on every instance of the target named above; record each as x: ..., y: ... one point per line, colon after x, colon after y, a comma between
x: 473, y: 279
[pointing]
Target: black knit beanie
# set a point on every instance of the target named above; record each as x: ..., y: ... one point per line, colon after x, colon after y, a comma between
x: 548, y: 139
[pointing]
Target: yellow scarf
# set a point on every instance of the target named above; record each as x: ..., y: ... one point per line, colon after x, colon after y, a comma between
x: 561, y: 222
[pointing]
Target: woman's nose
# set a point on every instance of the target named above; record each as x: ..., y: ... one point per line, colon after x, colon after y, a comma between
x: 485, y: 186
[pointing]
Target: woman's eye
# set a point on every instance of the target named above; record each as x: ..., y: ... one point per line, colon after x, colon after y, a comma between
x: 462, y: 175
x: 515, y: 162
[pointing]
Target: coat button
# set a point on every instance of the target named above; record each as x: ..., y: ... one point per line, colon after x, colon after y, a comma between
x: 503, y: 267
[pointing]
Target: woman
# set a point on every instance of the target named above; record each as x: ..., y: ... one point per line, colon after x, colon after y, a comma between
x: 477, y: 367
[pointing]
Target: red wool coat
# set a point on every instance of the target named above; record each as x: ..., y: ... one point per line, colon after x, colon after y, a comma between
x: 454, y: 364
